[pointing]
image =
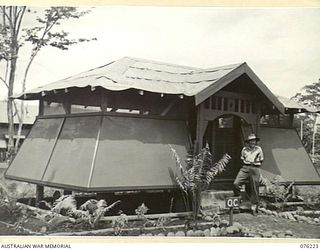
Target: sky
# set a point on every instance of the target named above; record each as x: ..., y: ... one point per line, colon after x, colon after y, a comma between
x: 281, y: 45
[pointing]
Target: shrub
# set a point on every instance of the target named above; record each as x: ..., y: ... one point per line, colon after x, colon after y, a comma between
x: 196, y: 176
x: 119, y: 223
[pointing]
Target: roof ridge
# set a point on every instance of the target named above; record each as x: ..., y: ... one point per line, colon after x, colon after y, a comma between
x: 234, y: 65
x: 159, y: 62
x: 179, y: 65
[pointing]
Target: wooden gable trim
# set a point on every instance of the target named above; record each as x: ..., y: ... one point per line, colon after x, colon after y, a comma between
x: 272, y: 98
x: 231, y: 76
x: 222, y: 82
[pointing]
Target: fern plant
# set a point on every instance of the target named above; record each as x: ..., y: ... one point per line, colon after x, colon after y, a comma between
x: 119, y: 224
x: 279, y: 191
x: 197, y: 175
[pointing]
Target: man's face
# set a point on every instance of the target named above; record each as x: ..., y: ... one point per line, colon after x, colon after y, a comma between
x: 252, y: 143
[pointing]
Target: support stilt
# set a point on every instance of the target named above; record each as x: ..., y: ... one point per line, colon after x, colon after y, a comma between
x: 39, y: 194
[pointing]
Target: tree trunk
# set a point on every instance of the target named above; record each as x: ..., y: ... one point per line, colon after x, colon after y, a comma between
x: 21, y: 118
x: 14, y: 17
x: 13, y: 64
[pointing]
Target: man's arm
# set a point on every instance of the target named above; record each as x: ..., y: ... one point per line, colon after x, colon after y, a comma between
x: 243, y: 156
x: 259, y: 157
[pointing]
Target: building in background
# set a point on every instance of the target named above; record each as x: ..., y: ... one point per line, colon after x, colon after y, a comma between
x: 31, y: 111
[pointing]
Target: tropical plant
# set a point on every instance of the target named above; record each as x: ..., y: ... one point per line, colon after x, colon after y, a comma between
x: 100, y: 211
x: 12, y: 209
x: 197, y: 175
x: 309, y: 95
x: 278, y: 191
x: 119, y: 223
x: 92, y: 210
x: 161, y: 222
x: 65, y: 205
x: 140, y: 212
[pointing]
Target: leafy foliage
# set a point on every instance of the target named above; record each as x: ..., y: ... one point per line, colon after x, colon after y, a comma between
x: 4, y: 42
x: 308, y: 129
x: 13, y: 35
x: 12, y: 209
x: 65, y: 205
x: 42, y: 35
x: 119, y: 224
x: 197, y: 175
x: 309, y: 95
x: 92, y: 210
x: 102, y: 208
x: 140, y: 212
x: 161, y: 222
x: 278, y: 191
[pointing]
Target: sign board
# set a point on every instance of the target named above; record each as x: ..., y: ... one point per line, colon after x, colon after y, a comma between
x: 232, y: 202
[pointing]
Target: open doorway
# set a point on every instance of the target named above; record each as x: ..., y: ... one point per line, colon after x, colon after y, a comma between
x: 224, y: 135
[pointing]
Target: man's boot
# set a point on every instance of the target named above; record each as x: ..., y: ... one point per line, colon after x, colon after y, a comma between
x: 254, y: 210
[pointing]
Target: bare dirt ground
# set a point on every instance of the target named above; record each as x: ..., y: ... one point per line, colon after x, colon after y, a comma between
x: 262, y: 225
x: 266, y: 223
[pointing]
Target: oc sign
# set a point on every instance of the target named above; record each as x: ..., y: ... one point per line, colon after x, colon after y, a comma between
x: 232, y: 202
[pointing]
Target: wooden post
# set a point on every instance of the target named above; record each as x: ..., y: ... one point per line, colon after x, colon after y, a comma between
x: 314, y: 137
x: 244, y: 106
x: 201, y: 127
x: 222, y: 103
x: 41, y: 107
x: 291, y: 118
x: 313, y: 145
x: 301, y: 129
x: 39, y: 188
x: 198, y: 131
x: 67, y: 109
x: 66, y: 106
x: 39, y: 194
x: 231, y: 203
x: 213, y: 137
x: 258, y: 119
x: 104, y: 102
x: 231, y: 217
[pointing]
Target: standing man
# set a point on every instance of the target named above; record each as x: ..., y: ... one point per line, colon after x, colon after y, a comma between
x: 252, y: 157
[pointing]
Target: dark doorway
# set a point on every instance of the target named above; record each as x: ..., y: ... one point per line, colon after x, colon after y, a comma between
x: 224, y: 137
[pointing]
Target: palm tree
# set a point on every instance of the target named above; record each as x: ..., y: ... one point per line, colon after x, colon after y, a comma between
x: 197, y: 175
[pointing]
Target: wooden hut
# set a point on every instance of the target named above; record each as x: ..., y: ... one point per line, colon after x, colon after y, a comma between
x: 115, y: 123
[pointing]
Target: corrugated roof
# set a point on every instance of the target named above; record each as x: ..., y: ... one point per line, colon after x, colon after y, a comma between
x: 141, y: 74
x: 31, y: 111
